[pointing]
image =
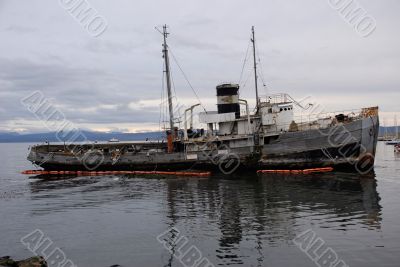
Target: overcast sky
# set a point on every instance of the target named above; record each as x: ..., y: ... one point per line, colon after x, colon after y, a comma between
x: 114, y: 81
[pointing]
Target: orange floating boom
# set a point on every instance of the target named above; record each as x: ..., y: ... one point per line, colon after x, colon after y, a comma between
x: 305, y: 171
x: 97, y: 173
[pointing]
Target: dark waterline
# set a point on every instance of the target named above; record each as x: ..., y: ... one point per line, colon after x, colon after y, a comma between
x: 242, y: 220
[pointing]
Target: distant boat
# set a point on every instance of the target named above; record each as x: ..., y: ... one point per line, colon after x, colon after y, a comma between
x: 113, y: 140
x: 396, y: 140
x: 393, y: 142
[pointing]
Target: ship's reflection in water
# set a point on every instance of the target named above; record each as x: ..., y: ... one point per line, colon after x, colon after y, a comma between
x: 272, y: 209
x: 231, y: 219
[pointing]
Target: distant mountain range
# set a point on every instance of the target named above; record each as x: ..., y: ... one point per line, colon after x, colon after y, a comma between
x: 390, y: 131
x: 13, y: 137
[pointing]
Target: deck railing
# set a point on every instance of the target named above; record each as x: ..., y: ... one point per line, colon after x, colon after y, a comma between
x: 327, y: 119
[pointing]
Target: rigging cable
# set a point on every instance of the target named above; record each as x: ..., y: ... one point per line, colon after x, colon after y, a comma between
x: 262, y: 77
x: 261, y: 72
x: 178, y: 120
x: 261, y: 68
x: 245, y: 61
x: 187, y: 80
x: 263, y: 81
x: 247, y: 79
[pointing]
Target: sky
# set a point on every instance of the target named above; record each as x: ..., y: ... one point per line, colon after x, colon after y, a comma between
x: 112, y: 80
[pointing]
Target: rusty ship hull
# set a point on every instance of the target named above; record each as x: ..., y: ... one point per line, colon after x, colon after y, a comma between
x: 349, y: 146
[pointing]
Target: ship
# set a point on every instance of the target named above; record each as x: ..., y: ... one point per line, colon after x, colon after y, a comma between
x: 233, y: 138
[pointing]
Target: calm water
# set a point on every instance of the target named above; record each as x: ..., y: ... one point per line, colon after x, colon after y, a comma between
x: 237, y: 221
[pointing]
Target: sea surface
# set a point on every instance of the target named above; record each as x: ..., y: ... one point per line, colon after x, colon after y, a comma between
x: 240, y: 220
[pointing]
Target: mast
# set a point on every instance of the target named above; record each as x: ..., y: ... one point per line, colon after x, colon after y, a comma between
x: 168, y: 78
x: 253, y: 40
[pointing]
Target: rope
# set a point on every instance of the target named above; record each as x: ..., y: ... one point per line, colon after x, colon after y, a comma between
x: 244, y: 61
x: 178, y: 120
x: 247, y: 79
x: 261, y: 68
x: 187, y: 80
x: 264, y: 85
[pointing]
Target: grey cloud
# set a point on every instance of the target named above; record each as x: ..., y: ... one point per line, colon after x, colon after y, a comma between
x: 19, y: 29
